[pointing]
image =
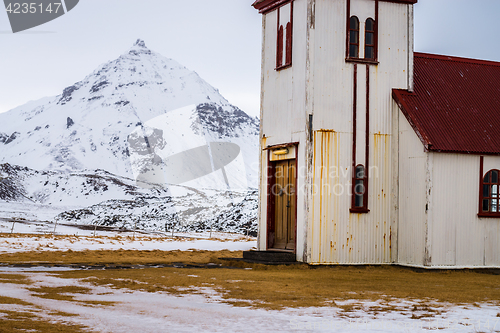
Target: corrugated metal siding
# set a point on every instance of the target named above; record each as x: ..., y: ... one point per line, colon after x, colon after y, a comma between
x: 449, y: 234
x: 320, y: 82
x: 491, y: 226
x: 332, y: 76
x: 458, y: 237
x: 392, y: 72
x: 412, y: 196
x: 283, y: 110
x: 335, y: 235
x: 454, y: 96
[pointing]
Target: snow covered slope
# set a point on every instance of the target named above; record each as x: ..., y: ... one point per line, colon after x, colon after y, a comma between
x: 88, y: 126
x: 101, y: 198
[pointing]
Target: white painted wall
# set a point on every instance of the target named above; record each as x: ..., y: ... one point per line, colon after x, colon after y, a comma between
x: 320, y: 82
x: 412, y: 216
x: 458, y: 237
x: 336, y: 236
x: 283, y: 111
x: 438, y: 226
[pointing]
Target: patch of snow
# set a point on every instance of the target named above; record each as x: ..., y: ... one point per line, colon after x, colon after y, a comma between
x: 204, y: 312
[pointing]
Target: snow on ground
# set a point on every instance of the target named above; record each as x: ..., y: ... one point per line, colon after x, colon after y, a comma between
x: 31, y: 211
x: 161, y: 312
x: 205, y: 311
x: 80, y: 243
x: 37, y: 236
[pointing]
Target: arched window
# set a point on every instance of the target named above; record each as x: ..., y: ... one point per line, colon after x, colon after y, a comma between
x: 284, y: 42
x: 491, y: 195
x: 353, y: 37
x: 370, y: 39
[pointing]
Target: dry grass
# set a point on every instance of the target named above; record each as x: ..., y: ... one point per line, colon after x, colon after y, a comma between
x: 14, y: 278
x: 16, y: 321
x: 12, y: 301
x: 275, y: 287
x: 109, y: 257
x: 28, y: 318
x: 270, y: 287
x: 66, y: 293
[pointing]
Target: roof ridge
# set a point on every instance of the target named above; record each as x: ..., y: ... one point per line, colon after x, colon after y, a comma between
x: 456, y: 59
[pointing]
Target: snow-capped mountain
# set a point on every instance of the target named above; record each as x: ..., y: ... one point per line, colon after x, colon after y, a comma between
x: 101, y: 198
x: 102, y: 121
x: 141, y: 141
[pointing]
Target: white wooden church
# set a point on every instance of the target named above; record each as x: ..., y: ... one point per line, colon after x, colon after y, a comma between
x: 372, y: 153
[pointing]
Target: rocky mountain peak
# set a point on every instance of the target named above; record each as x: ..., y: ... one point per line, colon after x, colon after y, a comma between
x: 140, y: 43
x: 139, y: 48
x: 87, y: 127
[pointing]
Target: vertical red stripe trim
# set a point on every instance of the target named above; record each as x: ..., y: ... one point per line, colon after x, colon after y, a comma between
x: 289, y: 38
x: 270, y: 204
x: 347, y: 29
x: 481, y: 178
x: 376, y: 31
x: 296, y: 191
x: 279, y: 42
x: 367, y: 136
x: 354, y: 120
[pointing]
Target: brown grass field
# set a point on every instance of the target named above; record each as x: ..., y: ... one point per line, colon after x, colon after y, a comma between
x: 243, y: 284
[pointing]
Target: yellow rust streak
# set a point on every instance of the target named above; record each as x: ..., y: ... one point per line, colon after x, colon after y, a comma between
x: 334, y: 219
x: 325, y: 131
x: 321, y: 196
x: 324, y: 139
x: 313, y: 190
x: 382, y: 161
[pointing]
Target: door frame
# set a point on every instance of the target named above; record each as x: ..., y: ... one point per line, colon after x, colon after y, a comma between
x: 271, y: 179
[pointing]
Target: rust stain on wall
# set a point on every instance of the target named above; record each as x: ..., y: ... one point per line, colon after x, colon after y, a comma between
x: 325, y: 150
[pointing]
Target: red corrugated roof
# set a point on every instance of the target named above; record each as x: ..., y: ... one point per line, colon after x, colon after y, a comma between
x: 455, y: 106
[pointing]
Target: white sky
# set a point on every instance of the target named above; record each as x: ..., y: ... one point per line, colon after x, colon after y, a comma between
x: 219, y: 39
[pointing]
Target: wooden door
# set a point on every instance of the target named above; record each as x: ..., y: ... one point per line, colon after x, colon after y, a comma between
x: 285, y: 202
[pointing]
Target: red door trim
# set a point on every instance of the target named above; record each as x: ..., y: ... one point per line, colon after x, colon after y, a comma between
x: 271, y: 179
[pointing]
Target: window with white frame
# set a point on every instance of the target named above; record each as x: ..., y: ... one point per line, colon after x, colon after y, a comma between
x: 490, y: 196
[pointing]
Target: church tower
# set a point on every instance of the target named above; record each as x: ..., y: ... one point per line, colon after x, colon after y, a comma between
x: 328, y: 190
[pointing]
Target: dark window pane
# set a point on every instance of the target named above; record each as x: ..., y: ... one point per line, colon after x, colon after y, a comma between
x: 369, y: 52
x: 354, y: 23
x: 487, y: 178
x: 354, y: 37
x: 288, y: 53
x: 279, y: 56
x: 486, y: 205
x: 360, y: 171
x: 370, y: 25
x: 494, y: 176
x: 353, y: 51
x: 486, y: 191
x: 360, y: 187
x: 369, y: 38
x: 358, y: 200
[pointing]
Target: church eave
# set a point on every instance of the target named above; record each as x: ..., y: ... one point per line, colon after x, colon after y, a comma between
x: 265, y: 6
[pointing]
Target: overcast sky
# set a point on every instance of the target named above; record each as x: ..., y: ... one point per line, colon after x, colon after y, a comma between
x: 219, y: 39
